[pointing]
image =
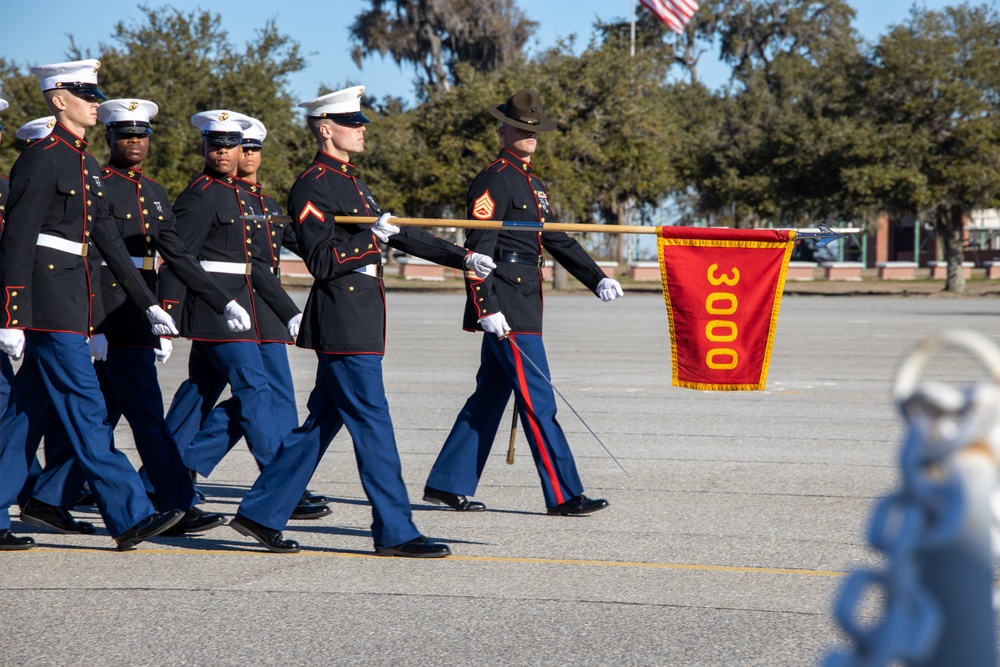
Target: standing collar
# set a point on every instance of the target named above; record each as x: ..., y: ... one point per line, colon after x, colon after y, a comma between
x: 253, y: 188
x: 228, y: 179
x: 60, y: 131
x: 126, y: 172
x: 334, y: 164
x: 516, y: 161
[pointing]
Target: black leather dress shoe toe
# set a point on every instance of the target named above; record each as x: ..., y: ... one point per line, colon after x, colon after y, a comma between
x: 195, y: 521
x: 310, y: 511
x: 315, y: 498
x: 418, y: 547
x: 38, y: 513
x: 11, y: 542
x: 456, y: 502
x: 580, y: 504
x: 151, y: 526
x: 271, y: 539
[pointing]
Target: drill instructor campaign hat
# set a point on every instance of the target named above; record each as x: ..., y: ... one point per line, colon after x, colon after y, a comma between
x: 523, y: 110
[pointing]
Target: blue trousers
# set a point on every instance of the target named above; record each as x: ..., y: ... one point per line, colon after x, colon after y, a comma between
x: 195, y: 397
x: 503, y: 370
x: 30, y: 437
x: 6, y: 377
x: 131, y: 389
x: 349, y: 392
x: 240, y: 365
x: 60, y: 363
x: 221, y: 429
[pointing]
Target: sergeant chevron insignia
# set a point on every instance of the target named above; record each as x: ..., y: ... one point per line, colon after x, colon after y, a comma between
x: 311, y: 209
x: 483, y: 207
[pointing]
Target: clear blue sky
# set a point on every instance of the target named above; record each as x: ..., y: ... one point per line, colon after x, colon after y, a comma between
x: 37, y: 32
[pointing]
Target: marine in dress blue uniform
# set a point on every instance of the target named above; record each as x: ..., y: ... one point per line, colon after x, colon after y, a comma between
x: 57, y: 209
x: 125, y: 358
x: 508, y: 305
x: 6, y: 369
x: 55, y: 436
x: 344, y: 322
x: 221, y: 429
x: 210, y: 220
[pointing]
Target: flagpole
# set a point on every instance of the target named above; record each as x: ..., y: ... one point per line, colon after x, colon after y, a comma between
x: 632, y: 7
x: 822, y: 232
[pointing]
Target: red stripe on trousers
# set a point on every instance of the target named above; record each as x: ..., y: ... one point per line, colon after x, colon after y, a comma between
x: 539, y: 440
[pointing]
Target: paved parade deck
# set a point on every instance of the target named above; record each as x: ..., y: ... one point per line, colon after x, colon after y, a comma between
x: 724, y: 546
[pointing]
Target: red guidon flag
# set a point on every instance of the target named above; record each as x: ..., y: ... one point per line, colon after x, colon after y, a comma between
x: 723, y: 290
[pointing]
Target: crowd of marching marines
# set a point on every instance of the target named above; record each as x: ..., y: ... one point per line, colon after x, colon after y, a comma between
x: 99, y: 270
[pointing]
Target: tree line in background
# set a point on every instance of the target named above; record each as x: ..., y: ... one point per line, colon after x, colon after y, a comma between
x: 814, y: 125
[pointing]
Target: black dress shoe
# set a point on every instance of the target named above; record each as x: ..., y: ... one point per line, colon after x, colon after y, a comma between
x: 38, y: 513
x: 418, y: 547
x: 315, y: 498
x: 11, y: 542
x: 458, y: 503
x: 310, y: 511
x: 151, y: 526
x: 271, y: 539
x: 195, y: 521
x: 580, y: 504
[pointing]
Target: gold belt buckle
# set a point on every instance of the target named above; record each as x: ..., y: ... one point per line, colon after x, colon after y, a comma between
x: 248, y: 269
x: 84, y: 249
x: 379, y: 271
x: 148, y: 263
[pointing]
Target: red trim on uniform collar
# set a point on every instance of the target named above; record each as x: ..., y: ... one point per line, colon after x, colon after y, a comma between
x: 334, y: 164
x: 525, y: 167
x: 130, y: 173
x: 61, y: 132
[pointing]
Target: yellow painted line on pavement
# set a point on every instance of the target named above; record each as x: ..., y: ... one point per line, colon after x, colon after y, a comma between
x: 481, y: 559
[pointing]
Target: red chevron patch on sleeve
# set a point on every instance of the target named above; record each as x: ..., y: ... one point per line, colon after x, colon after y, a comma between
x: 483, y: 207
x: 311, y: 209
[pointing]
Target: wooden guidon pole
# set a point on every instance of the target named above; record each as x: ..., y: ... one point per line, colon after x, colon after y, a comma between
x: 488, y: 224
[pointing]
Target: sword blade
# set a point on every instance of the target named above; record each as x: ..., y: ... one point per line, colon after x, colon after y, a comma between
x: 556, y: 389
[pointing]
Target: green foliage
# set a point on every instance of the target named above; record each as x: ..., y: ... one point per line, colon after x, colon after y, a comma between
x: 185, y: 63
x: 436, y: 37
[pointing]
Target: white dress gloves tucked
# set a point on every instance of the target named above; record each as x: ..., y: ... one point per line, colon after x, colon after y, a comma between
x: 12, y: 342
x: 383, y: 229
x: 162, y: 354
x: 293, y: 325
x: 609, y: 289
x: 237, y: 318
x: 163, y: 324
x: 482, y: 265
x: 495, y: 324
x: 97, y: 345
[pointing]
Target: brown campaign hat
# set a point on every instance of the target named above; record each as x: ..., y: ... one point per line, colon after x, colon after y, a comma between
x: 523, y: 110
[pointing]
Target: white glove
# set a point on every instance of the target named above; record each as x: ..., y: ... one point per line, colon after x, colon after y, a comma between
x: 495, y: 324
x: 97, y: 345
x: 383, y: 229
x: 12, y: 342
x: 163, y: 353
x: 237, y: 318
x: 293, y: 325
x: 483, y: 265
x: 163, y: 324
x: 609, y: 289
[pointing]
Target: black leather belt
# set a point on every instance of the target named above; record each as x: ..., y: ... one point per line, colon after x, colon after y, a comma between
x: 522, y: 258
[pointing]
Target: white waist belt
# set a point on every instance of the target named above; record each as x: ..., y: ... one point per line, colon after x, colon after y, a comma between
x: 141, y: 263
x: 234, y: 268
x: 368, y: 270
x: 56, y: 243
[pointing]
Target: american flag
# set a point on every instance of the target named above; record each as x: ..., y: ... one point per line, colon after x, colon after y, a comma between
x: 675, y: 13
